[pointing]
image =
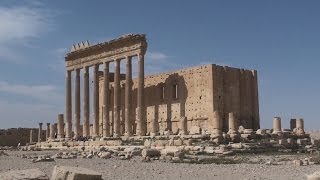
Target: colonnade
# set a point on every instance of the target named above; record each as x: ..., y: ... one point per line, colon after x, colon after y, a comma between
x: 141, y: 121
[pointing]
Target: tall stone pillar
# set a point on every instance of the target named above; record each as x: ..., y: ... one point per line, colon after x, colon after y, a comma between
x: 48, y: 131
x: 31, y: 135
x: 141, y: 121
x: 276, y: 125
x: 128, y: 102
x: 39, y: 132
x: 299, y: 130
x: 233, y: 127
x: 106, y: 100
x: 96, y: 101
x: 77, y: 105
x: 86, y: 104
x: 68, y: 106
x: 60, y: 134
x: 52, y: 131
x: 117, y: 93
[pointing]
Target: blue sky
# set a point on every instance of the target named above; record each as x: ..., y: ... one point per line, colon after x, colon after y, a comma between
x: 278, y: 38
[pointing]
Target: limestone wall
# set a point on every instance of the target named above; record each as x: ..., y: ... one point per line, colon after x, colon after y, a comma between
x: 11, y: 137
x: 201, y: 90
x: 236, y: 90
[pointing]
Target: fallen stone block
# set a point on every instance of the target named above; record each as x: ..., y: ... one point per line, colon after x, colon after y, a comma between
x: 27, y: 174
x: 105, y: 155
x: 150, y: 153
x: 297, y: 162
x: 74, y: 173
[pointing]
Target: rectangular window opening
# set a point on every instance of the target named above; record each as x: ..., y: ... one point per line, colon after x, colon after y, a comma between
x: 175, y: 91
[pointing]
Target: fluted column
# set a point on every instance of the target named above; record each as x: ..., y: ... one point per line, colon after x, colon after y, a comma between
x: 39, y: 132
x: 77, y: 105
x: 48, y: 131
x: 116, y: 93
x: 68, y: 105
x: 96, y: 101
x: 86, y: 103
x: 128, y: 89
x: 106, y: 100
x: 141, y: 122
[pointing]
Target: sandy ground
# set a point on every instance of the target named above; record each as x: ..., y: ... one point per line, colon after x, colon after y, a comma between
x: 136, y: 169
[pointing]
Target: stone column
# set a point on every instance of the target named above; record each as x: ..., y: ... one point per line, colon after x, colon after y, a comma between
x: 60, y: 134
x: 292, y: 124
x: 52, y: 131
x: 48, y: 131
x: 68, y: 106
x: 86, y: 104
x: 31, y: 135
x: 39, y: 132
x: 128, y: 127
x: 217, y: 125
x: 117, y: 93
x: 55, y: 131
x: 141, y: 122
x: 276, y: 125
x: 77, y: 105
x: 183, y: 126
x: 299, y: 130
x: 96, y: 101
x: 233, y: 127
x: 106, y: 100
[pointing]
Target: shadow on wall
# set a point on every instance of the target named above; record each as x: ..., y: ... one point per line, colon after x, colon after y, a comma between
x: 168, y: 100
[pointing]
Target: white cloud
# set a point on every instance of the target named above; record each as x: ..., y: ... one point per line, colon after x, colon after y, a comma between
x: 44, y: 93
x: 19, y: 25
x: 156, y: 56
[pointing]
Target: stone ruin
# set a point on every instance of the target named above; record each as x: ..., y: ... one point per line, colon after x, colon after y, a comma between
x: 170, y: 116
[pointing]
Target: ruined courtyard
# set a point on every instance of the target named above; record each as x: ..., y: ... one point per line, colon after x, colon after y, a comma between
x: 196, y: 123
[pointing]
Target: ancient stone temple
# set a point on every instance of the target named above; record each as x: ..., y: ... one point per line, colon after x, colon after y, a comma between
x: 187, y: 101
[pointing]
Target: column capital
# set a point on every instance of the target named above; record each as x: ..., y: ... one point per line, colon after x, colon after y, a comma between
x: 40, y: 124
x: 48, y: 124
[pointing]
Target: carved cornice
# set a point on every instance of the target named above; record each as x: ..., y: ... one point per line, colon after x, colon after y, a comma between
x: 128, y: 45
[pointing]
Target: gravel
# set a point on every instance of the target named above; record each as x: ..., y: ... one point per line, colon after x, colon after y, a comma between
x: 114, y: 168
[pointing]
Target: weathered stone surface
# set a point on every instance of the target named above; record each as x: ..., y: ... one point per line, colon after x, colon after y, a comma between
x: 74, y: 173
x: 150, y: 153
x: 28, y: 174
x: 314, y: 176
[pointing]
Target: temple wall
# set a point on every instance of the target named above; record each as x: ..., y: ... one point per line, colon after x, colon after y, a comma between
x: 201, y: 90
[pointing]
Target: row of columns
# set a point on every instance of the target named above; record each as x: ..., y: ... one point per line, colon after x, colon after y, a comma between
x: 296, y: 125
x: 141, y: 128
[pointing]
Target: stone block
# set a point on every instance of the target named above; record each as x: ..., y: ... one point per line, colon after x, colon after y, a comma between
x: 150, y: 153
x: 315, y: 141
x: 74, y: 173
x: 27, y: 174
x: 297, y: 162
x: 195, y: 130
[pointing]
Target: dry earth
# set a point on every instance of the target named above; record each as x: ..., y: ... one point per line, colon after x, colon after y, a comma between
x: 136, y: 169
